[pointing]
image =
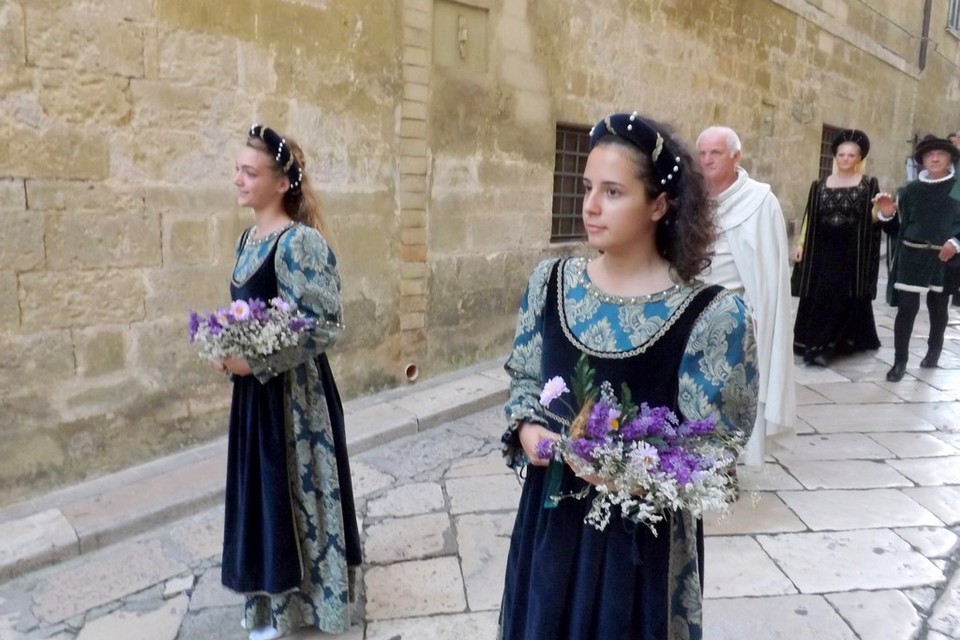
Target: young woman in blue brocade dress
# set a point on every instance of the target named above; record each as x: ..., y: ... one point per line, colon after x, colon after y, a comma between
x: 290, y: 531
x: 638, y: 313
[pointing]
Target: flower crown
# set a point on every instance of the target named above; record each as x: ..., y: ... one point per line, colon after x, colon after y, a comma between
x: 639, y: 133
x: 281, y: 154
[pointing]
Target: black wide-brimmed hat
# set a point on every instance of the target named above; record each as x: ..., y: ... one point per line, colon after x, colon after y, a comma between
x: 931, y: 142
x: 855, y: 136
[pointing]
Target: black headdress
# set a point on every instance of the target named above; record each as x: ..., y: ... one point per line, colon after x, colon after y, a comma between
x: 281, y: 154
x: 642, y: 135
x: 855, y: 136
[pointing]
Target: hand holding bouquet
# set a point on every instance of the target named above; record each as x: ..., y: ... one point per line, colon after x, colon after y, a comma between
x: 641, y: 459
x: 247, y: 328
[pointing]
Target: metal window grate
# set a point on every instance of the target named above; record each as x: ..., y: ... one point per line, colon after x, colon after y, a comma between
x: 573, y: 146
x: 826, y: 153
x: 953, y: 20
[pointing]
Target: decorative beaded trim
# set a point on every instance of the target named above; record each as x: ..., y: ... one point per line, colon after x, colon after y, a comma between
x: 621, y: 355
x: 255, y: 242
x: 557, y: 418
x: 584, y: 280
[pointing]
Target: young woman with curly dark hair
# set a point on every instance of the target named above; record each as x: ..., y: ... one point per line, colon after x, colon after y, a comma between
x: 640, y: 317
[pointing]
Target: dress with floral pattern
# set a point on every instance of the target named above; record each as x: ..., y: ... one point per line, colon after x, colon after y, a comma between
x: 691, y: 346
x: 319, y: 492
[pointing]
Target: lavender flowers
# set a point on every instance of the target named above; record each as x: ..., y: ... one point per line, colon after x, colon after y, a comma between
x: 641, y: 459
x: 247, y: 328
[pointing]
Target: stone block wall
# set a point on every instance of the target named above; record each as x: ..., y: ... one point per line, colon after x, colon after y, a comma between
x: 429, y: 127
x: 119, y: 122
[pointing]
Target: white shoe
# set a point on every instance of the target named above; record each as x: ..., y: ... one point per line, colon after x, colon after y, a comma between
x: 264, y: 633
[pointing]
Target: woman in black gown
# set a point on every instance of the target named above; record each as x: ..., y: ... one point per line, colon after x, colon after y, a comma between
x: 640, y: 317
x: 290, y: 531
x: 838, y: 257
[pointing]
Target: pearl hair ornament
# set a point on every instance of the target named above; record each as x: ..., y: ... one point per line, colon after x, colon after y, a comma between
x: 641, y: 134
x: 282, y: 155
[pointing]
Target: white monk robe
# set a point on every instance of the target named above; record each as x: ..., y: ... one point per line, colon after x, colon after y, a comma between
x: 751, y: 256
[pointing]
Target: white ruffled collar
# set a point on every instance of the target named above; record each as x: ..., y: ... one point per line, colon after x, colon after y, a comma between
x: 925, y: 176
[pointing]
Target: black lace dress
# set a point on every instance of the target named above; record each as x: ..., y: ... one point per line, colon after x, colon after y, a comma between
x: 838, y: 282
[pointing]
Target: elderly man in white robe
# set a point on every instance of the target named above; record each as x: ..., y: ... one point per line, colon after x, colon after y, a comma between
x: 751, y: 256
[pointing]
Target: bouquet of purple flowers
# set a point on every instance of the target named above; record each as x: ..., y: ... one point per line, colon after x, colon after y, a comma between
x: 645, y: 460
x: 247, y: 328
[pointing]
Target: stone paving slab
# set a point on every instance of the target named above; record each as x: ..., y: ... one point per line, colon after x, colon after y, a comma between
x: 417, y: 588
x: 367, y: 480
x: 483, y: 493
x: 930, y: 472
x: 129, y: 568
x: 776, y: 618
x: 915, y: 445
x: 484, y: 540
x: 837, y: 446
x: 378, y: 424
x: 862, y: 509
x: 408, y: 500
x: 943, y: 379
x: 853, y: 393
x: 914, y: 390
x: 760, y: 513
x: 489, y: 465
x: 944, y: 502
x: 863, y: 418
x: 210, y: 593
x: 878, y: 614
x: 817, y: 375
x: 736, y: 566
x: 201, y: 537
x: 222, y: 623
x: 943, y: 415
x: 933, y: 542
x: 34, y: 541
x: 415, y: 537
x: 805, y: 395
x: 469, y: 626
x: 769, y: 477
x: 162, y: 624
x: 945, y: 616
x: 849, y: 560
x: 846, y: 474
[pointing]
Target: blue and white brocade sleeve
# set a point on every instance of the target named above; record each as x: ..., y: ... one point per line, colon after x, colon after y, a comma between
x: 718, y: 373
x: 307, y: 278
x: 525, y: 365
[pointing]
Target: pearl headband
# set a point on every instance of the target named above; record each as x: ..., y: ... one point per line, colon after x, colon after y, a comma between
x: 639, y: 133
x: 281, y: 154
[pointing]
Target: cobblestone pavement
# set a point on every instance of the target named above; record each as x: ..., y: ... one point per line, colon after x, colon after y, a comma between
x: 848, y: 532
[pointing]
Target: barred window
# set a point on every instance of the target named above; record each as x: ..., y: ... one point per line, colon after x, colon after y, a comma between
x: 573, y: 146
x: 826, y: 150
x: 953, y: 20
